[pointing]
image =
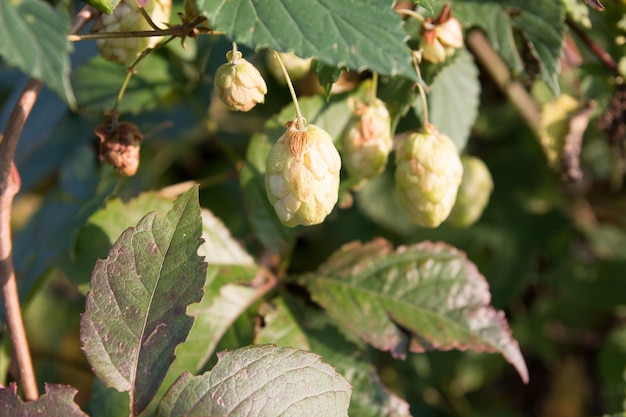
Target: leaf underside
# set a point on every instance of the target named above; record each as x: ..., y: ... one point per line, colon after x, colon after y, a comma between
x: 58, y: 400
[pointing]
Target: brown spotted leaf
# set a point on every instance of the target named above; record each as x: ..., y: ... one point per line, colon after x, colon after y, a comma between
x: 58, y: 400
x: 427, y: 296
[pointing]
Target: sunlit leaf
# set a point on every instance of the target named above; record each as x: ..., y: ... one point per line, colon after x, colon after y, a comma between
x: 261, y: 380
x: 417, y: 298
x: 136, y: 307
x: 337, y: 33
x: 58, y: 400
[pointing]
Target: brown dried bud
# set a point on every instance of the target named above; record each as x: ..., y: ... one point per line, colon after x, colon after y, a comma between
x: 119, y: 145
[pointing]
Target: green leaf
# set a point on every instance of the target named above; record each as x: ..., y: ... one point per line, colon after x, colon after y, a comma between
x: 337, y: 33
x: 105, y: 6
x: 326, y: 75
x: 453, y: 99
x: 418, y: 298
x: 135, y: 310
x: 97, y: 84
x: 427, y: 4
x: 612, y: 369
x: 290, y: 324
x: 541, y: 22
x: 261, y: 381
x: 58, y: 400
x: 107, y: 402
x: 34, y: 38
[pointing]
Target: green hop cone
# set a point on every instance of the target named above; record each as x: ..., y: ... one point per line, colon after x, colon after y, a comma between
x: 428, y: 175
x: 302, y: 175
x: 367, y: 140
x: 127, y: 17
x: 473, y: 194
x: 239, y: 84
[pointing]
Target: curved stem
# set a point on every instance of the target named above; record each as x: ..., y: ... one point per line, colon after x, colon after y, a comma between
x: 604, y: 57
x: 374, y: 87
x: 421, y: 90
x: 411, y: 13
x: 300, y: 123
x: 9, y: 186
x: 147, y: 17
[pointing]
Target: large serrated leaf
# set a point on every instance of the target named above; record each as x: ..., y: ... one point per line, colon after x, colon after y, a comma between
x: 541, y: 22
x: 58, y: 400
x: 34, y: 38
x: 136, y: 307
x: 454, y: 97
x: 291, y: 324
x: 337, y: 33
x: 427, y: 296
x: 261, y: 380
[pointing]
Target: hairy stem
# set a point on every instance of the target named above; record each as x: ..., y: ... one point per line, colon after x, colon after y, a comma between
x: 9, y: 186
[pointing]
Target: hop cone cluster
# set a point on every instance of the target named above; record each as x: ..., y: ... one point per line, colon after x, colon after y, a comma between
x: 127, y: 17
x: 239, y: 84
x: 428, y: 175
x: 302, y: 176
x: 473, y: 194
x: 367, y: 140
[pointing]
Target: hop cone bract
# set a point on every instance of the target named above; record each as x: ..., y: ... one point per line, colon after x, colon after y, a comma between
x: 428, y: 175
x: 302, y: 176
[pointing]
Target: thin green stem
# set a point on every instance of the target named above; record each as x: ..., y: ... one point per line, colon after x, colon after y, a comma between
x: 411, y: 13
x: 178, y: 30
x: 421, y: 89
x: 235, y: 54
x: 373, y: 88
x: 300, y: 122
x: 147, y: 17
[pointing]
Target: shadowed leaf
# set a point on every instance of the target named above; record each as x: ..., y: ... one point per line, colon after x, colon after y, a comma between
x: 136, y: 307
x: 417, y: 298
x: 58, y: 400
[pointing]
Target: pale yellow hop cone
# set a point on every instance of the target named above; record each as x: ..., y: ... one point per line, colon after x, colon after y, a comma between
x: 367, y: 140
x: 127, y: 17
x: 473, y: 194
x: 302, y: 175
x: 428, y: 175
x: 239, y: 84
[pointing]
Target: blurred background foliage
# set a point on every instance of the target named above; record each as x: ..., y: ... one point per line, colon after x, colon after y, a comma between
x: 554, y: 253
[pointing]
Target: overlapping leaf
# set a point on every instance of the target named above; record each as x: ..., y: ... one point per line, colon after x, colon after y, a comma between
x: 541, y: 22
x: 58, y: 400
x: 422, y: 297
x: 136, y: 308
x: 261, y: 380
x: 337, y: 33
x: 290, y: 324
x: 34, y: 38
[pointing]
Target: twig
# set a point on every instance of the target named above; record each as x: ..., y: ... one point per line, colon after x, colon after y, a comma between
x: 9, y: 186
x: 179, y: 30
x: 593, y: 46
x: 499, y: 72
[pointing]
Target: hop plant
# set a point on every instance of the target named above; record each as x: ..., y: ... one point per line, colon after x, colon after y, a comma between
x: 239, y: 84
x: 441, y: 38
x: 428, y: 175
x: 473, y: 194
x: 302, y: 175
x: 127, y: 17
x: 367, y: 139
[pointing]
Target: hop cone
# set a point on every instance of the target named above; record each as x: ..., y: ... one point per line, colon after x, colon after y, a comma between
x: 127, y: 17
x: 367, y: 140
x: 428, y: 175
x: 239, y: 84
x: 473, y: 194
x: 302, y: 176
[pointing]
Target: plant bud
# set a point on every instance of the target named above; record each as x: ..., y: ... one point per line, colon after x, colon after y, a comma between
x: 119, y: 145
x: 302, y: 175
x: 296, y: 67
x: 450, y: 33
x: 367, y: 140
x: 428, y: 175
x: 432, y: 50
x: 239, y: 84
x: 473, y: 194
x: 127, y: 17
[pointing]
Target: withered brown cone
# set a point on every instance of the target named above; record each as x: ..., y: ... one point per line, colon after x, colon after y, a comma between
x: 119, y: 145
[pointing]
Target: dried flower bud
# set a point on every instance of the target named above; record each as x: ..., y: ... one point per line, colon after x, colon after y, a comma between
x: 296, y: 67
x: 239, y: 84
x: 441, y: 37
x: 127, y: 17
x: 432, y: 50
x: 302, y: 176
x: 473, y: 194
x: 119, y: 145
x: 450, y: 33
x: 367, y: 140
x: 428, y: 175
